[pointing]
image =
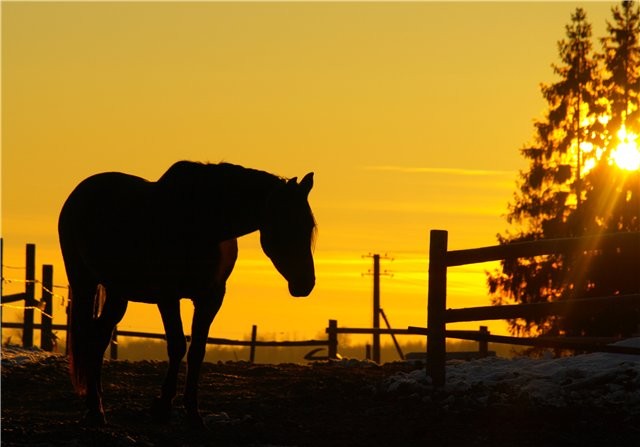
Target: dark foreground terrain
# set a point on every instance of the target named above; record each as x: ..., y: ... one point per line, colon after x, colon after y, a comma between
x: 324, y: 404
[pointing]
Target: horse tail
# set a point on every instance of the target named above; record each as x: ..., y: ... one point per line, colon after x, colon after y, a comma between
x: 79, y: 339
x: 81, y: 297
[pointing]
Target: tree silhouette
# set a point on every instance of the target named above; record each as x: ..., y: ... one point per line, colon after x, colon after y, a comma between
x: 571, y: 187
x: 612, y: 201
x: 621, y: 55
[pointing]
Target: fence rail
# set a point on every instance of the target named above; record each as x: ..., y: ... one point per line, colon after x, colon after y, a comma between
x: 593, y: 344
x: 440, y: 258
x: 536, y: 310
x: 44, y: 305
x: 537, y: 248
x: 252, y: 344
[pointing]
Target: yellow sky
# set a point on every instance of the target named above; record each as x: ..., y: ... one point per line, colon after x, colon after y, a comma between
x: 410, y: 114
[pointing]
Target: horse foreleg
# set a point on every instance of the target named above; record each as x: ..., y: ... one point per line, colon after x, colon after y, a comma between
x: 176, y: 348
x: 204, y: 312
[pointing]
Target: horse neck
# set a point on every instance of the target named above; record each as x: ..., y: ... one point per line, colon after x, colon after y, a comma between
x: 245, y: 204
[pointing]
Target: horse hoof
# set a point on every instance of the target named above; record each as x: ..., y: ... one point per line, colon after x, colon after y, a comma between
x: 195, y: 422
x: 94, y: 419
x: 160, y: 411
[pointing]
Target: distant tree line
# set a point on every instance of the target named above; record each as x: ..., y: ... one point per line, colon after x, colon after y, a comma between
x: 583, y: 178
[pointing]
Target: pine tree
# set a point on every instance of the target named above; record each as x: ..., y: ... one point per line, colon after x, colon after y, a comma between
x: 612, y: 202
x: 621, y: 55
x: 552, y: 188
x: 576, y: 185
x: 613, y: 193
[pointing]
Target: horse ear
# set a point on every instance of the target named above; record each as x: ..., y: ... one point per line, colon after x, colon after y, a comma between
x: 307, y: 183
x: 292, y: 181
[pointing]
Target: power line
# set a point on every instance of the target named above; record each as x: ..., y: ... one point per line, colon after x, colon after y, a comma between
x: 13, y: 267
x: 370, y: 272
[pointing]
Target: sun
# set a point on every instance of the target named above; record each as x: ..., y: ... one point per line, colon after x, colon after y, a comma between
x: 627, y: 154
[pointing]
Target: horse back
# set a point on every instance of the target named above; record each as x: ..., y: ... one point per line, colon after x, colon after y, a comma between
x: 131, y: 234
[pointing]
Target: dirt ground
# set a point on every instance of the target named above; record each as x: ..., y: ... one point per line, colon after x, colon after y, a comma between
x: 323, y: 404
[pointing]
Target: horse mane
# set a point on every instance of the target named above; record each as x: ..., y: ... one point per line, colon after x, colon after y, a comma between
x: 185, y: 180
x: 193, y: 172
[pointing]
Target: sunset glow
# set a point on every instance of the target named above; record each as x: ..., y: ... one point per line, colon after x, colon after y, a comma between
x: 627, y: 154
x: 410, y: 114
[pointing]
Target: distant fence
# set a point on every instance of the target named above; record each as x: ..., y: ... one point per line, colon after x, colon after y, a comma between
x: 440, y: 258
x: 252, y: 344
x: 27, y: 302
x: 331, y: 343
x: 44, y: 306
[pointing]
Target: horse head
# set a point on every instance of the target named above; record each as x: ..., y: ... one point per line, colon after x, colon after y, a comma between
x: 287, y: 233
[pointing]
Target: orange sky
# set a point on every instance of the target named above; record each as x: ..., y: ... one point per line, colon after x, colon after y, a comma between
x: 411, y: 115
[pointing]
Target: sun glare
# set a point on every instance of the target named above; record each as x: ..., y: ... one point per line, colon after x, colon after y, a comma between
x: 627, y: 155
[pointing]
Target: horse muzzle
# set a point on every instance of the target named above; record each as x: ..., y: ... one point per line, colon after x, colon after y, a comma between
x: 301, y: 290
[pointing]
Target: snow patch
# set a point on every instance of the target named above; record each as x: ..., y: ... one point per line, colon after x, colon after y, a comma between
x: 15, y: 355
x: 597, y: 379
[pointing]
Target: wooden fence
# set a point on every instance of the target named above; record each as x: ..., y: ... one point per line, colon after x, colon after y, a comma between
x: 44, y: 305
x: 27, y: 302
x: 252, y: 344
x: 440, y: 258
x: 330, y: 343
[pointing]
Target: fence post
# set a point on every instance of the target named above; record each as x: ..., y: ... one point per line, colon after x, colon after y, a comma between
x: 46, y: 335
x: 333, y: 339
x: 483, y: 344
x: 252, y: 349
x: 114, y: 344
x: 1, y: 282
x: 30, y: 296
x: 436, y: 307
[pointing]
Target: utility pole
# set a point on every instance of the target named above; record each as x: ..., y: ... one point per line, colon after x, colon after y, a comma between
x: 376, y: 304
x: 376, y: 307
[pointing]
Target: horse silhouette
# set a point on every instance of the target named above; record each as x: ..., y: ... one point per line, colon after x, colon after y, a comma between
x: 124, y: 239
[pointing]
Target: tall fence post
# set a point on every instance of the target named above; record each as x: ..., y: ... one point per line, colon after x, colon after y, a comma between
x: 252, y: 348
x: 333, y: 339
x: 1, y: 282
x: 436, y: 306
x: 30, y: 296
x: 46, y: 334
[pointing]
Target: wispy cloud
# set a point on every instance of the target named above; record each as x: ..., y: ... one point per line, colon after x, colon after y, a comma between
x: 446, y: 171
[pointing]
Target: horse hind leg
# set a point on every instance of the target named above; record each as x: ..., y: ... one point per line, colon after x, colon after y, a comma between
x: 176, y: 349
x: 108, y: 314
